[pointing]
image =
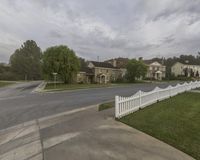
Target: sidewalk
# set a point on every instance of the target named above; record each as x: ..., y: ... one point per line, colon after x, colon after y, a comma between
x: 84, y: 134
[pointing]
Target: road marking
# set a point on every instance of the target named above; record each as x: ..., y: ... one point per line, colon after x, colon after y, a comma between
x: 59, y: 139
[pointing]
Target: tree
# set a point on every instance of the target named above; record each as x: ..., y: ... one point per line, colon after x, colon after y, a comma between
x: 186, y: 70
x: 61, y: 60
x: 83, y: 62
x: 135, y: 69
x: 197, y: 74
x: 191, y: 73
x: 26, y: 61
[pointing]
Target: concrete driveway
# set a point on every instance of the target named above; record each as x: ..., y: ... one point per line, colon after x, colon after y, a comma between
x: 84, y: 134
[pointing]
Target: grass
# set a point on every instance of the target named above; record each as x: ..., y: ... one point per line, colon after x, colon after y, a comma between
x: 61, y: 86
x: 175, y: 121
x: 106, y: 106
x: 4, y: 83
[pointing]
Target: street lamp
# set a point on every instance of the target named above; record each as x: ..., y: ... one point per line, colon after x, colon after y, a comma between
x: 54, y: 75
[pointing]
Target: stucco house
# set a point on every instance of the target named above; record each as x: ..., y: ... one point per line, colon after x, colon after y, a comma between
x: 99, y: 72
x: 185, y: 69
x: 155, y: 70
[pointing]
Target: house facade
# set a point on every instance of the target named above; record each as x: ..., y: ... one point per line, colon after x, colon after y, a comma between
x: 185, y: 69
x: 99, y: 72
x: 155, y: 70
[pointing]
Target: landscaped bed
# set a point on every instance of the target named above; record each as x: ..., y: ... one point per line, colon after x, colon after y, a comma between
x: 175, y: 121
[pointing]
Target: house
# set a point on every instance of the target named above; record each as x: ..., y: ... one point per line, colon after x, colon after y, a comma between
x: 155, y: 70
x: 85, y: 75
x: 99, y: 72
x: 118, y: 62
x: 185, y: 69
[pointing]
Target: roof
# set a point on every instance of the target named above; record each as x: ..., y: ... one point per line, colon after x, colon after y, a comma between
x: 159, y: 72
x: 118, y: 59
x: 87, y: 70
x: 148, y: 62
x: 119, y: 62
x: 102, y: 64
x: 187, y: 63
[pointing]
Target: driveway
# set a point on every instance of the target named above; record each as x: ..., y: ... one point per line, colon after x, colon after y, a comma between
x: 18, y: 104
x: 84, y: 134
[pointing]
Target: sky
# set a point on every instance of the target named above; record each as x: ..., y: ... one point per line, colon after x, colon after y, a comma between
x: 104, y: 28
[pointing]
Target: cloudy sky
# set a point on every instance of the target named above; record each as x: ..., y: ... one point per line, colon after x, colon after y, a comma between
x: 104, y: 28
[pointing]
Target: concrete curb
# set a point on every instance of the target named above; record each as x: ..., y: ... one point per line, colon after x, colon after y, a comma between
x: 40, y: 87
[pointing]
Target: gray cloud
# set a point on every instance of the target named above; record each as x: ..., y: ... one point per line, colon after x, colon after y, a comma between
x: 107, y: 28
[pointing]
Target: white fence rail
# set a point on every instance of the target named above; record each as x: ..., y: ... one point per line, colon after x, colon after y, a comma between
x: 127, y: 105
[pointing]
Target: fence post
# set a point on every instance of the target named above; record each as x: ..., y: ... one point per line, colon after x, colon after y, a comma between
x: 140, y: 96
x: 116, y: 106
x: 158, y: 94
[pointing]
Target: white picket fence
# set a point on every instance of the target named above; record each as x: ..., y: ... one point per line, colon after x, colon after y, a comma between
x: 127, y: 105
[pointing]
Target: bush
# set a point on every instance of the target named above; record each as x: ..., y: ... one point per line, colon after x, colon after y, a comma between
x: 9, y: 76
x: 181, y: 78
x: 149, y: 79
x: 120, y: 80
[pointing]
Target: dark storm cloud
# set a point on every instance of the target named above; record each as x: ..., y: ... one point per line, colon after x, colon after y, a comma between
x: 107, y: 28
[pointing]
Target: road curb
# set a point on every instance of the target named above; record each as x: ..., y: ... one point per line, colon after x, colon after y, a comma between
x: 40, y: 87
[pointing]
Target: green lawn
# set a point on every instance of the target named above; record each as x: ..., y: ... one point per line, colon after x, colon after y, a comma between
x: 175, y: 121
x: 106, y: 106
x: 62, y: 86
x: 3, y: 84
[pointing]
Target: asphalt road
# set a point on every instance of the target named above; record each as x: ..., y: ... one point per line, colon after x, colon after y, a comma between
x: 18, y: 104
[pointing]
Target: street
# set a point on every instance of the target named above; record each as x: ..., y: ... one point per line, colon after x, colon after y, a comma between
x: 18, y: 104
x: 67, y: 125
